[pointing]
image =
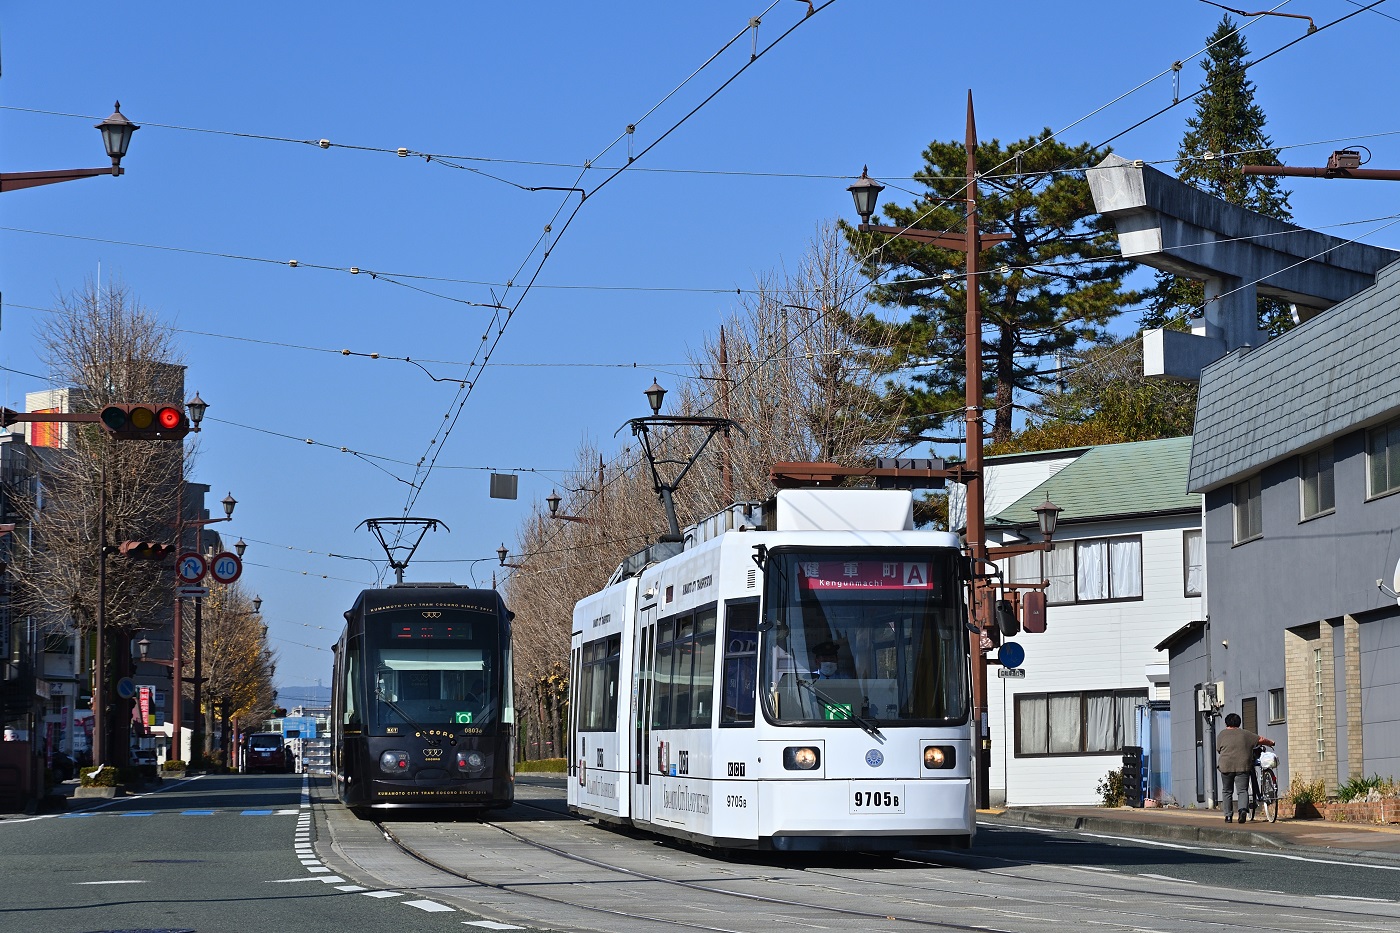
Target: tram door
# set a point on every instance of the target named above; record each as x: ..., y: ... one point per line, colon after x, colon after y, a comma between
x: 641, y: 715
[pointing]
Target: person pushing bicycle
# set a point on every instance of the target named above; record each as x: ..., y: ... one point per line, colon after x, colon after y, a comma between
x: 1234, y: 750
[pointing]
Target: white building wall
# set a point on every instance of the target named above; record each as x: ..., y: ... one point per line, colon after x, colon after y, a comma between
x: 1095, y: 646
x: 1004, y: 484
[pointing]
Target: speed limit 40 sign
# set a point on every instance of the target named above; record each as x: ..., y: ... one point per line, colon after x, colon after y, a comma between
x: 225, y: 567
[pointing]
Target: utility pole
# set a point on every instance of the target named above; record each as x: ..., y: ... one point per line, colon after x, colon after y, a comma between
x: 971, y: 242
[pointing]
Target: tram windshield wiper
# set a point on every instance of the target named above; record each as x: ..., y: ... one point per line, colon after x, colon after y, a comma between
x: 380, y: 695
x: 871, y: 726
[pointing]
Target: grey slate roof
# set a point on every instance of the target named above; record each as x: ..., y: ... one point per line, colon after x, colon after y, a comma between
x: 1327, y: 377
x: 1145, y: 477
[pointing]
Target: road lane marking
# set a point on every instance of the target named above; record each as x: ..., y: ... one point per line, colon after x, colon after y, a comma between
x: 109, y: 882
x: 383, y: 893
x: 490, y: 925
x: 197, y: 813
x: 257, y: 813
x: 348, y: 887
x: 429, y: 906
x: 1168, y: 878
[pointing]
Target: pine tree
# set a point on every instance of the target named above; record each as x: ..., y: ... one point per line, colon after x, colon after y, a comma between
x: 1052, y: 287
x: 1226, y: 132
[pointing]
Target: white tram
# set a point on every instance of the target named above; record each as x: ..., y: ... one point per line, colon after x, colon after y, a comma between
x: 795, y: 680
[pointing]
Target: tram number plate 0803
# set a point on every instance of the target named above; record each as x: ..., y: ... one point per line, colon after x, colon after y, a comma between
x: 877, y: 798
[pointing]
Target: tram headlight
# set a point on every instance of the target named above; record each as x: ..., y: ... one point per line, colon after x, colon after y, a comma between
x: 939, y: 757
x: 393, y: 762
x: 471, y: 761
x: 801, y: 758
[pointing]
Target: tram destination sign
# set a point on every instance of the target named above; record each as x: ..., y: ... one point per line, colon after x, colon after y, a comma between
x: 864, y: 575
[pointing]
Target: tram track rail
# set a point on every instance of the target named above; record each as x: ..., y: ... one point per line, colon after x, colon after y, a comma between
x: 1329, y: 913
x: 807, y: 907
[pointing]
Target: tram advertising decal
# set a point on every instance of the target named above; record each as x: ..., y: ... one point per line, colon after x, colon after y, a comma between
x: 864, y: 575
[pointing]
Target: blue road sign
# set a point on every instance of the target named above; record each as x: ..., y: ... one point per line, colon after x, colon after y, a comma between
x: 1011, y: 654
x: 126, y: 688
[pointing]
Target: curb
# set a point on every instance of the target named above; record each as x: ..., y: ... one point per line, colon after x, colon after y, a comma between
x: 1116, y: 827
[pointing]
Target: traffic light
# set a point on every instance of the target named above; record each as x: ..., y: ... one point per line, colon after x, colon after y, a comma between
x: 1132, y: 775
x: 146, y: 550
x: 145, y: 422
x: 1006, y: 618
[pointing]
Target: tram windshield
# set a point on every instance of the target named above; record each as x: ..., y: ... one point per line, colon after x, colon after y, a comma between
x: 865, y: 638
x: 427, y: 674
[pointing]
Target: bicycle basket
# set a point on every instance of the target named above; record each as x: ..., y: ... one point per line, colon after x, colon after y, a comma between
x: 1268, y: 759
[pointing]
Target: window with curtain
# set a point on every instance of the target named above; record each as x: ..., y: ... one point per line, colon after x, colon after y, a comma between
x: 1095, y: 570
x: 1095, y: 722
x: 1249, y: 511
x: 1383, y: 459
x: 1318, y: 493
x: 1194, y: 559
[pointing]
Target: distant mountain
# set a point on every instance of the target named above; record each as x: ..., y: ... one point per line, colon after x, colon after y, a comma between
x: 303, y: 696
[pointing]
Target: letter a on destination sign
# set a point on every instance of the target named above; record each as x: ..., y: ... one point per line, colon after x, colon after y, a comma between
x: 916, y: 574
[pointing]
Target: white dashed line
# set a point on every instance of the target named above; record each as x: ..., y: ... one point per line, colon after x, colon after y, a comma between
x: 109, y: 882
x: 383, y: 893
x: 490, y: 925
x: 430, y: 906
x: 349, y: 887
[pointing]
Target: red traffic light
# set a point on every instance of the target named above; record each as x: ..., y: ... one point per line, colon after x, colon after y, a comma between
x: 145, y: 550
x: 144, y: 422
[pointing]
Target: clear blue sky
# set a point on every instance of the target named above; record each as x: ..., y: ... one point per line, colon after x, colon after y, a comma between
x: 534, y: 83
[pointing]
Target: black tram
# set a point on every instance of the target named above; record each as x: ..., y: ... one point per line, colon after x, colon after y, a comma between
x: 422, y: 713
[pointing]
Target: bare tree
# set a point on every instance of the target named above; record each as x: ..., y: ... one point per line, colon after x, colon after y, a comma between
x: 102, y: 346
x: 237, y: 663
x: 795, y: 371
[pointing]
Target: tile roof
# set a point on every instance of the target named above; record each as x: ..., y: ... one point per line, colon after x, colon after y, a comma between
x: 1324, y: 378
x: 1144, y: 477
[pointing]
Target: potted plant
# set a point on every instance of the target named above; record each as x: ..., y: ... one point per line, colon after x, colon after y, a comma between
x: 97, y: 782
x: 173, y: 768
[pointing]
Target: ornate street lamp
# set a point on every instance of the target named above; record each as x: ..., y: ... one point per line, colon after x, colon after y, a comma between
x: 228, y: 503
x: 1048, y: 514
x: 866, y: 191
x: 196, y: 407
x: 239, y: 547
x: 654, y: 396
x: 116, y: 136
x: 257, y: 604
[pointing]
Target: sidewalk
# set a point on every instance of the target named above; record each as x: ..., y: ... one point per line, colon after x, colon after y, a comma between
x: 1314, y: 837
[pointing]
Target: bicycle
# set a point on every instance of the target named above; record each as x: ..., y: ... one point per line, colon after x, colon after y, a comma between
x: 1263, y: 783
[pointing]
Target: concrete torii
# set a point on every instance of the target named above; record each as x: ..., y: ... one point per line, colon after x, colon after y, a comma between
x: 1238, y: 254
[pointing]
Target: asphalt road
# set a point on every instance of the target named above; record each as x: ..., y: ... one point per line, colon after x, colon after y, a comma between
x: 211, y: 854
x: 272, y: 852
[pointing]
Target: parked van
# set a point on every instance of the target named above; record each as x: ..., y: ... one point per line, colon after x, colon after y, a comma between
x: 266, y: 752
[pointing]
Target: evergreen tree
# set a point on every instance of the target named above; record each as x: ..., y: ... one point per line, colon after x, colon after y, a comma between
x: 1226, y: 131
x: 1104, y: 398
x: 1052, y: 287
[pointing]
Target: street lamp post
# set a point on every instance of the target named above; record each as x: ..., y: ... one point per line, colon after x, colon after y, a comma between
x: 553, y: 501
x: 641, y: 429
x: 116, y: 137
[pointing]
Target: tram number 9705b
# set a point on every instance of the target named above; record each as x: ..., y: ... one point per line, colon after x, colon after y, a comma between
x: 876, y: 800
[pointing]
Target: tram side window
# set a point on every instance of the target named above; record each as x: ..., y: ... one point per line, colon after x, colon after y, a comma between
x: 350, y: 698
x: 702, y: 676
x: 685, y: 671
x: 740, y: 663
x: 598, y: 690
